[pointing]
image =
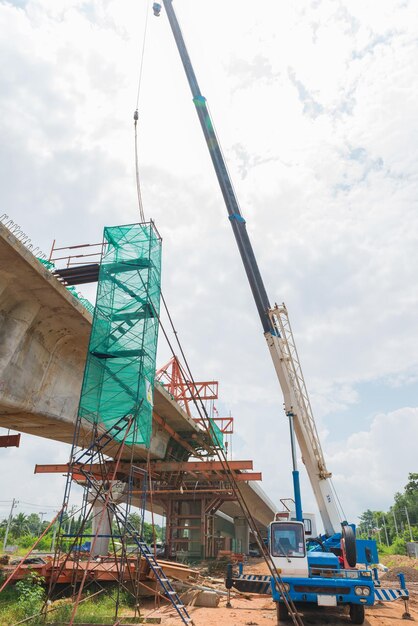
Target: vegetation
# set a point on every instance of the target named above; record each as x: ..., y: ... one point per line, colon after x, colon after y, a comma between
x: 26, y: 598
x: 392, y: 529
x: 25, y: 529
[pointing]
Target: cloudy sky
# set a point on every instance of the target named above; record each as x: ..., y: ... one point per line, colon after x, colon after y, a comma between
x: 315, y: 105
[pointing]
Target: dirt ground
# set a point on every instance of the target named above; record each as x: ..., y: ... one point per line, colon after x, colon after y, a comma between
x: 261, y: 611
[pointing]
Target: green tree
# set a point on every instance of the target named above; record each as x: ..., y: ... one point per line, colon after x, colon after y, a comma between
x: 405, y: 505
x: 367, y: 523
x: 411, y: 489
x: 33, y: 522
x: 19, y: 525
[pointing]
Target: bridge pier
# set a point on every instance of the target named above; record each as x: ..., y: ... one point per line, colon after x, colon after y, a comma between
x: 242, y: 535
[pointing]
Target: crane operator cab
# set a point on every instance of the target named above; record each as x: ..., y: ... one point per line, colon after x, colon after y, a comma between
x: 288, y: 548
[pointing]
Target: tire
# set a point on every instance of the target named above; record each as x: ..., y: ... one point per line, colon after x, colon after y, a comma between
x: 282, y: 613
x: 350, y: 547
x: 357, y: 613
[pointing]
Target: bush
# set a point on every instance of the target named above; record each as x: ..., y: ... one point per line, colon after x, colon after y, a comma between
x: 26, y: 541
x: 398, y: 546
x: 31, y: 596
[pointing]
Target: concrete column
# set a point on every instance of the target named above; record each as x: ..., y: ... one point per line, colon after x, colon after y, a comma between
x: 102, y: 519
x: 102, y: 524
x: 242, y: 535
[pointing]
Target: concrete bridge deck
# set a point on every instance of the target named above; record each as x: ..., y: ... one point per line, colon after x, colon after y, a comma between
x: 44, y: 334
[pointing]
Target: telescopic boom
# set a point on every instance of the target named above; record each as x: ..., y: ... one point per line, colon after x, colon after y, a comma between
x: 274, y: 320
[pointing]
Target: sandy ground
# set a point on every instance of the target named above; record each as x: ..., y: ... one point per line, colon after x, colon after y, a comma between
x: 261, y: 611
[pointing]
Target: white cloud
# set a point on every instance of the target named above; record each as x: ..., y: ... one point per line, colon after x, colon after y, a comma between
x: 374, y: 464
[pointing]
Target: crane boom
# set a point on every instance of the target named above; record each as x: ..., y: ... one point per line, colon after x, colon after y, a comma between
x: 234, y: 212
x: 275, y: 321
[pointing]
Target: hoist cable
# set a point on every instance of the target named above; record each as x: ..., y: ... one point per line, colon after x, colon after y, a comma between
x: 141, y: 66
x: 136, y: 116
x: 138, y: 183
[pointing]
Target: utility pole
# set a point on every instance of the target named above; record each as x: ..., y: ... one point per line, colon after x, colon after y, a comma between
x: 54, y: 536
x: 378, y: 529
x: 41, y: 515
x: 9, y: 521
x: 409, y: 525
x: 396, y: 525
x: 386, y: 530
x: 70, y: 518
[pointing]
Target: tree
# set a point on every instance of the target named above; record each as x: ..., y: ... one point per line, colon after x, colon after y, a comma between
x: 367, y: 522
x: 411, y: 488
x: 33, y: 523
x: 396, y: 519
x: 19, y: 525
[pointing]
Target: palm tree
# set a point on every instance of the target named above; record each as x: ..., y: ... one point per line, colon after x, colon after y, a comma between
x: 19, y: 525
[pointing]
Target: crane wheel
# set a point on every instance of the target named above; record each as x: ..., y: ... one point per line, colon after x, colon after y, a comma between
x: 349, y: 546
x: 357, y: 613
x: 282, y: 613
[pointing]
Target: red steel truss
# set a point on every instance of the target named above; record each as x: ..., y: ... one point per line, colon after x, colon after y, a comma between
x: 171, y: 375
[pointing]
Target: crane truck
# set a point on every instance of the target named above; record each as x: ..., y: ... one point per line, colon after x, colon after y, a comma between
x: 320, y: 571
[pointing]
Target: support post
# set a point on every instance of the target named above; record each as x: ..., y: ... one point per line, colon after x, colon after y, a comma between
x: 242, y: 534
x: 396, y: 524
x: 409, y: 525
x: 9, y: 521
x: 386, y: 530
x: 295, y: 473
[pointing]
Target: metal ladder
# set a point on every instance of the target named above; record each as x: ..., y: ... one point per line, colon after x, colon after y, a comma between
x: 157, y: 570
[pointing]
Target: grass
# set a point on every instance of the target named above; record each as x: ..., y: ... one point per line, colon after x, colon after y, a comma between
x: 98, y: 610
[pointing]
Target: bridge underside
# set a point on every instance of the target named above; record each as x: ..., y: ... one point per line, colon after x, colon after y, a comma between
x: 44, y: 334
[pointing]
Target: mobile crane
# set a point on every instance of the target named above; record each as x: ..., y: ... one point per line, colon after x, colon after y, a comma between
x: 322, y: 570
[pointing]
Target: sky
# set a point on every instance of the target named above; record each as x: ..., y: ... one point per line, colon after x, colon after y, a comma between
x: 315, y: 105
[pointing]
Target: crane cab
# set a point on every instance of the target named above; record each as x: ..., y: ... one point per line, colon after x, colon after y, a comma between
x: 288, y: 547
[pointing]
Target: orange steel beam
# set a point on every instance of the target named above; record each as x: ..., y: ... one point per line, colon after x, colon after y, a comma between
x: 244, y: 476
x: 176, y: 492
x: 197, y: 466
x: 204, y: 390
x: 225, y: 424
x: 9, y: 441
x: 204, y: 467
x: 173, y: 377
x: 158, y: 466
x: 173, y: 433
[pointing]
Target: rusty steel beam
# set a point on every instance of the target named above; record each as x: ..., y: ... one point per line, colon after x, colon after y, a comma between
x: 9, y: 441
x: 244, y: 476
x: 158, y: 466
x: 198, y: 466
x: 173, y: 433
x: 176, y: 492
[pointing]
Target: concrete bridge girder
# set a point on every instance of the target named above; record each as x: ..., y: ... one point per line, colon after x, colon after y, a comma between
x: 44, y: 335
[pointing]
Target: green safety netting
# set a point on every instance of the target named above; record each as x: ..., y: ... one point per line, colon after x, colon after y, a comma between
x: 120, y: 367
x: 216, y: 434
